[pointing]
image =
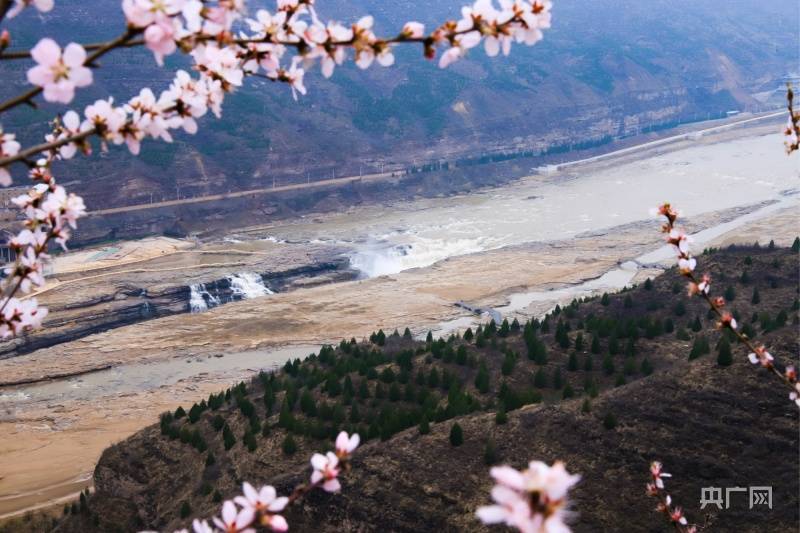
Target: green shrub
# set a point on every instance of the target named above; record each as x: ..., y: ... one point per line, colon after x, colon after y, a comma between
x: 610, y: 421
x: 456, y: 435
x: 501, y: 417
x: 699, y: 347
x: 572, y: 363
x: 724, y: 355
x: 289, y: 446
x: 228, y: 438
x: 490, y: 456
x: 608, y: 364
x: 424, y: 426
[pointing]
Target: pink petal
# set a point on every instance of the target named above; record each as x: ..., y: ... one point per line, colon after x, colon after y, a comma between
x: 332, y: 485
x: 318, y: 461
x: 229, y: 512
x: 74, y: 55
x: 46, y: 52
x: 491, y: 514
x: 342, y: 441
x: 5, y: 177
x: 134, y: 145
x: 71, y: 120
x: 245, y: 517
x: 63, y: 92
x: 250, y: 492
x: 40, y: 75
x: 267, y: 494
x: 278, y: 523
x: 279, y: 504
x: 190, y: 126
x: 355, y: 440
x: 509, y: 477
x: 81, y: 76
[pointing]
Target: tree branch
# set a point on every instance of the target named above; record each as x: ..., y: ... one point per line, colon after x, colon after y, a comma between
x: 102, y: 49
x: 5, y: 5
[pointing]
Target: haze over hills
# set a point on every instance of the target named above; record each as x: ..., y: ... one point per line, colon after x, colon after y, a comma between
x: 606, y: 69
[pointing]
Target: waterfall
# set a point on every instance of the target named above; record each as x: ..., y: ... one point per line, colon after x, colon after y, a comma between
x: 200, y: 299
x: 248, y: 285
x: 243, y: 286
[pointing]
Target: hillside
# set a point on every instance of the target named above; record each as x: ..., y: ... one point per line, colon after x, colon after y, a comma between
x: 711, y: 425
x: 606, y: 69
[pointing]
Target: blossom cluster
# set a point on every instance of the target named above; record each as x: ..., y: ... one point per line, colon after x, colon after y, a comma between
x: 42, y: 6
x: 533, y: 500
x: 680, y: 241
x: 226, y: 44
x: 655, y: 488
x: 262, y: 508
x: 51, y: 213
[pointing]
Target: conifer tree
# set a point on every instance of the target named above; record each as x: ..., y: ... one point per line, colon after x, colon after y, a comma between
x: 289, y: 446
x: 572, y: 363
x: 468, y: 335
x: 540, y: 379
x: 424, y: 425
x: 501, y: 417
x: 587, y: 406
x: 724, y: 356
x: 456, y: 435
x: 568, y: 392
x: 579, y: 342
x: 508, y: 364
x: 608, y: 364
x: 595, y: 344
x: 730, y: 294
x: 558, y: 380
x: 482, y: 378
x: 489, y: 452
x: 756, y: 298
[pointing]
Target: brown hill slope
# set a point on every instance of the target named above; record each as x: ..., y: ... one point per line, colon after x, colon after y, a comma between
x: 712, y: 426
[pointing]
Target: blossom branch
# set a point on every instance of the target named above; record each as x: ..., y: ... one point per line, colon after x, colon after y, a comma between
x: 702, y: 287
x: 262, y: 507
x: 792, y: 130
x: 5, y: 6
x: 223, y: 56
x: 28, y: 96
x: 656, y: 489
x: 26, y: 54
x: 532, y: 500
